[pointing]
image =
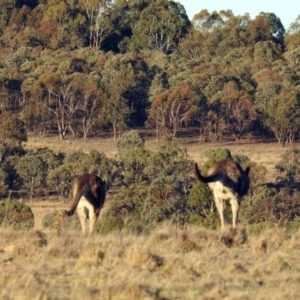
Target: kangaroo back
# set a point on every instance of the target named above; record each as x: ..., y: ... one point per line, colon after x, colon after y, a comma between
x: 90, y: 186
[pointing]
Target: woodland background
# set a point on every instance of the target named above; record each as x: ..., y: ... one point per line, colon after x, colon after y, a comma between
x: 87, y: 69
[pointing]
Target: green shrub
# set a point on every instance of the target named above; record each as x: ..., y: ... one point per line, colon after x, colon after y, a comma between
x: 256, y: 228
x: 211, y: 221
x: 31, y: 168
x: 213, y: 156
x: 257, y: 177
x: 61, y: 179
x: 109, y: 224
x: 54, y: 220
x: 217, y: 154
x: 128, y: 141
x: 294, y: 225
x: 289, y: 165
x: 16, y: 214
x: 201, y: 197
x: 241, y: 159
x: 279, y: 209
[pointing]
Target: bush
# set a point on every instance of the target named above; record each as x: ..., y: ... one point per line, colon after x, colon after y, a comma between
x: 256, y: 229
x: 289, y: 165
x: 31, y: 169
x: 16, y: 214
x: 58, y: 220
x: 279, y: 209
x: 218, y: 154
x: 241, y: 159
x: 61, y: 179
x: 109, y: 224
x: 257, y: 177
x: 201, y: 198
x: 128, y: 141
x: 211, y: 221
x: 294, y: 225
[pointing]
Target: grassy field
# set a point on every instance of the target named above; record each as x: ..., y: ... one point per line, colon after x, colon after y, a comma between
x: 169, y: 263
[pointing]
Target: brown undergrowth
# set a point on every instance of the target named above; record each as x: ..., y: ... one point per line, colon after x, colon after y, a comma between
x: 168, y: 263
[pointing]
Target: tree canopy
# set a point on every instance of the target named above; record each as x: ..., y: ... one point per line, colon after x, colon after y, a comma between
x: 79, y: 67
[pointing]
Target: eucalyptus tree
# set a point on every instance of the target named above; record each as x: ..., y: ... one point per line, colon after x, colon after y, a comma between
x: 33, y: 112
x: 207, y: 22
x: 5, y: 11
x: 61, y: 100
x: 12, y: 136
x: 161, y: 26
x: 61, y: 25
x: 268, y: 85
x: 91, y: 104
x: 12, y: 130
x: 172, y: 109
x: 124, y: 82
x: 277, y: 101
x: 192, y: 45
x: 13, y: 35
x: 100, y: 25
x: 292, y: 47
x: 265, y: 27
x: 283, y: 114
x: 238, y: 113
x: 265, y: 53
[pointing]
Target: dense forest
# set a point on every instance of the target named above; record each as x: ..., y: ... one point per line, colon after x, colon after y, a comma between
x: 80, y: 67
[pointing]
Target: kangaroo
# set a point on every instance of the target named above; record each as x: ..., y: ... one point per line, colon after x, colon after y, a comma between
x: 228, y: 181
x: 89, y: 193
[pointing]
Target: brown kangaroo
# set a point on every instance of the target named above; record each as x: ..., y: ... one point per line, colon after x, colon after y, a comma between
x: 228, y: 181
x: 89, y: 193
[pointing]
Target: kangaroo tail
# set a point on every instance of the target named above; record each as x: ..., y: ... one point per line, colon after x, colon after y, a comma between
x: 69, y: 212
x: 208, y: 179
x: 76, y: 198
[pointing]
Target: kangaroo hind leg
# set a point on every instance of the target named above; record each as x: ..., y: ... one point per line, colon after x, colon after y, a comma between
x: 82, y: 217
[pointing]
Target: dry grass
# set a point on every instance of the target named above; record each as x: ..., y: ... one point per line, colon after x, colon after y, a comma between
x: 170, y: 263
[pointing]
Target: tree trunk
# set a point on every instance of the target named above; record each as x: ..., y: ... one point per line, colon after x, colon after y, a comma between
x: 283, y: 138
x: 115, y: 131
x: 60, y: 132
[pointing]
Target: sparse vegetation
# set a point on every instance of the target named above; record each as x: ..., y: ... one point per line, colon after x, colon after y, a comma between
x: 159, y: 265
x: 16, y: 215
x: 133, y: 255
x: 57, y: 218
